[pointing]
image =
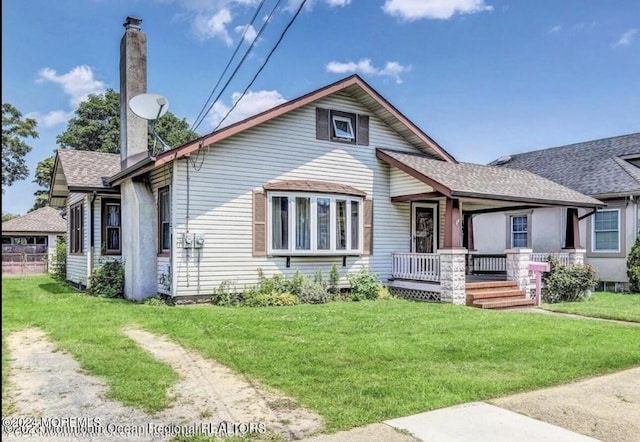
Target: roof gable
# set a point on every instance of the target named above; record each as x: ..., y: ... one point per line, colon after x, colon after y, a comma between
x: 595, y: 167
x: 467, y: 180
x: 81, y: 170
x: 43, y: 220
x: 354, y: 86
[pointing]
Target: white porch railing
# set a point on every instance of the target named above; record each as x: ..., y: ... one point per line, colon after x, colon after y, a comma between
x: 416, y: 266
x: 563, y: 258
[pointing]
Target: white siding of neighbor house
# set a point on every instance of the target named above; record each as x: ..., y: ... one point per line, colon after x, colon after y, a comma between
x: 77, y: 263
x: 222, y: 179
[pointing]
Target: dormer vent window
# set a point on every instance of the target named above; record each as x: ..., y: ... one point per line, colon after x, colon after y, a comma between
x: 342, y: 128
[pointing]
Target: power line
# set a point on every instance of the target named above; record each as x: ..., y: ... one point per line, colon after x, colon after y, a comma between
x: 263, y: 64
x: 235, y: 52
x: 244, y: 57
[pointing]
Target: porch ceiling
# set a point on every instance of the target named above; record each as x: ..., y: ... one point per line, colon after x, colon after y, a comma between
x: 486, y: 186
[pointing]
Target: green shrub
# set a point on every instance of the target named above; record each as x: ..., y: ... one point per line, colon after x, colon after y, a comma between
x: 276, y: 284
x: 334, y: 280
x: 225, y: 294
x: 59, y: 263
x: 313, y: 292
x: 364, y: 285
x: 384, y: 293
x: 568, y: 283
x: 271, y: 300
x: 107, y: 281
x: 156, y: 300
x: 295, y: 284
x: 633, y: 266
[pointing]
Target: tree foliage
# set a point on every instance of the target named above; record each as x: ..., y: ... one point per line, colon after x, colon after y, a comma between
x: 14, y: 148
x: 96, y: 127
x: 633, y: 266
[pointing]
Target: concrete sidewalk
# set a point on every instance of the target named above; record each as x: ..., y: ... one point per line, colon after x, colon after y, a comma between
x: 605, y: 407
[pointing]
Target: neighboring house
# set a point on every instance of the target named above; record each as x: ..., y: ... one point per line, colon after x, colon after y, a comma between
x: 29, y: 241
x: 336, y: 176
x: 606, y: 169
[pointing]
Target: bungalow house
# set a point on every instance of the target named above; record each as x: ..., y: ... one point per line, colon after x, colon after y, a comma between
x: 336, y: 176
x: 29, y: 241
x: 607, y: 169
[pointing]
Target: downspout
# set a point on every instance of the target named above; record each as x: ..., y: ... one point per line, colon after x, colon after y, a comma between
x: 91, y: 234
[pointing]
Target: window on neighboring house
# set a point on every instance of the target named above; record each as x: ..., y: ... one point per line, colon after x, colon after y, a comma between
x: 519, y: 231
x: 342, y: 127
x: 111, y: 227
x: 164, y: 220
x: 302, y: 223
x: 76, y: 240
x: 606, y: 231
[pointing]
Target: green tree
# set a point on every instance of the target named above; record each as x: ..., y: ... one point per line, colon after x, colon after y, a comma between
x: 96, y: 127
x: 6, y: 216
x: 44, y: 171
x: 14, y: 148
x: 633, y: 266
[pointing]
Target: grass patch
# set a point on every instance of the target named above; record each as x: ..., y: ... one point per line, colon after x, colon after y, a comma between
x: 354, y: 363
x: 607, y: 305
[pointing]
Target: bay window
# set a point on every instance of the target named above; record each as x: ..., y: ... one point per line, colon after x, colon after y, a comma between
x: 305, y: 223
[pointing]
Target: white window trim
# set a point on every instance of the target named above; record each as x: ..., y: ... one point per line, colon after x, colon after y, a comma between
x: 593, y: 232
x: 332, y: 251
x: 511, y: 231
x: 350, y: 135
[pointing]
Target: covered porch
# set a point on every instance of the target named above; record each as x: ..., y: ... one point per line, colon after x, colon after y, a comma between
x: 441, y: 262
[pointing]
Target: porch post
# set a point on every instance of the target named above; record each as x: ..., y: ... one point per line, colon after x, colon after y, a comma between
x: 576, y: 256
x: 452, y: 230
x: 467, y: 230
x: 452, y: 275
x: 518, y: 266
x: 572, y: 231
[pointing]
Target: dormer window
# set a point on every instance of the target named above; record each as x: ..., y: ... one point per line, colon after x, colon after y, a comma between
x: 342, y: 128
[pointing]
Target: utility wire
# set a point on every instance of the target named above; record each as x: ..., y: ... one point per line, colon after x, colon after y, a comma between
x: 263, y: 64
x: 244, y: 57
x: 235, y: 52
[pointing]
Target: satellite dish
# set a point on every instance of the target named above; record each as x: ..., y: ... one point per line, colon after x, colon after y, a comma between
x: 149, y: 106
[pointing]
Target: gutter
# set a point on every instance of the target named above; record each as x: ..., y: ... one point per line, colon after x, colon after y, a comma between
x: 139, y: 168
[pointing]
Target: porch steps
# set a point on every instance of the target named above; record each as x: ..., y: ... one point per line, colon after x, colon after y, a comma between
x: 496, y: 294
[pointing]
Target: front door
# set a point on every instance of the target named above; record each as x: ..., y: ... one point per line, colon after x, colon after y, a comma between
x: 423, y: 228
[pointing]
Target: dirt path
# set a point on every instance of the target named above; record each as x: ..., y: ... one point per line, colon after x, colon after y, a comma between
x: 46, y: 382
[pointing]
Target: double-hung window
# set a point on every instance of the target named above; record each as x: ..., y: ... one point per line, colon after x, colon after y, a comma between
x: 305, y: 223
x: 606, y: 231
x: 76, y: 229
x: 164, y: 220
x: 111, y: 227
x: 519, y: 231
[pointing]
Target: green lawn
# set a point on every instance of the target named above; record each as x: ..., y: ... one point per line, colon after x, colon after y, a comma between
x: 624, y: 307
x: 354, y: 363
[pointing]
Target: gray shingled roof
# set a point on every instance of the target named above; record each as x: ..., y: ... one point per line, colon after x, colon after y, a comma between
x: 489, y: 182
x: 84, y: 168
x: 45, y: 219
x: 593, y: 167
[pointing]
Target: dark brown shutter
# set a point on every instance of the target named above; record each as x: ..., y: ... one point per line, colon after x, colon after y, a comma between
x: 362, y: 136
x: 322, y: 123
x: 368, y: 228
x: 259, y: 223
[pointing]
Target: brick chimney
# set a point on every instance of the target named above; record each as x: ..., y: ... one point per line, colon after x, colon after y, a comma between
x: 133, y: 81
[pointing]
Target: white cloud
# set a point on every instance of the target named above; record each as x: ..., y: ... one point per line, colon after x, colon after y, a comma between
x: 214, y: 26
x: 556, y: 28
x: 293, y: 5
x: 51, y: 119
x: 250, y: 34
x: 364, y: 66
x: 78, y: 83
x: 252, y: 103
x: 626, y: 38
x: 410, y: 10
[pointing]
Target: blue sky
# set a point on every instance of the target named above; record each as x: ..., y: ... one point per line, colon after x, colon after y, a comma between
x: 484, y: 78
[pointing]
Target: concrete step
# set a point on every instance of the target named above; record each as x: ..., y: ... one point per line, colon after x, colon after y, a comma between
x: 504, y: 302
x: 489, y: 284
x: 502, y: 293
